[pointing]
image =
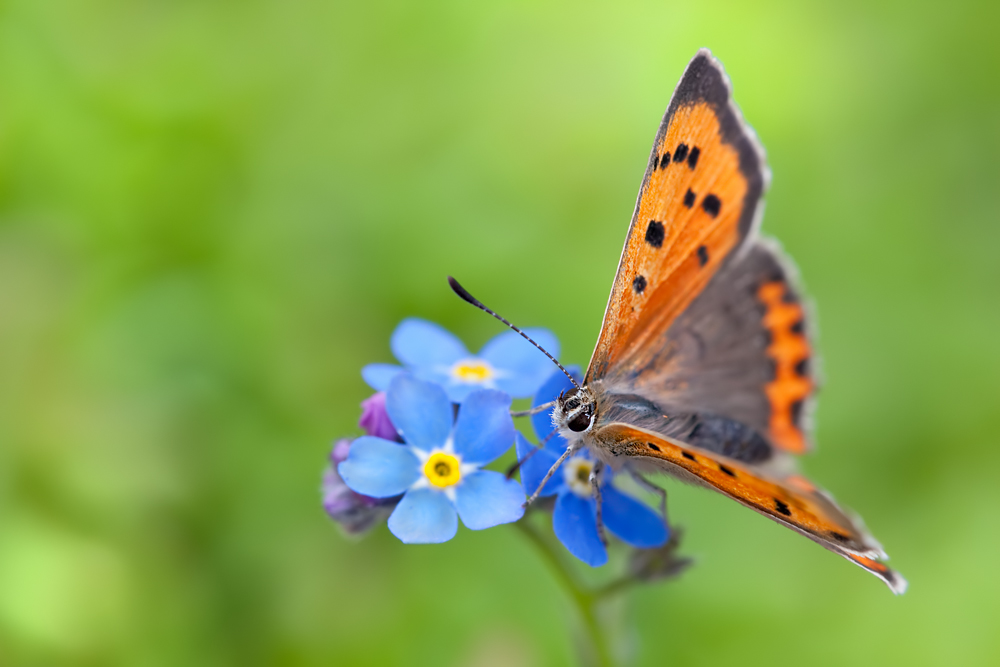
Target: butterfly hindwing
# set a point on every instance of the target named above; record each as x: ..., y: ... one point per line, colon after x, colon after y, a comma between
x: 790, y: 500
x: 741, y: 351
x: 698, y: 204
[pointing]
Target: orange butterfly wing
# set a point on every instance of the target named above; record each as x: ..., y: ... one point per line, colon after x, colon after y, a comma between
x: 792, y: 501
x: 697, y: 204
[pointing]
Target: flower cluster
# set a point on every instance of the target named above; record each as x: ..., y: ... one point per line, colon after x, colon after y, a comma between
x: 438, y: 420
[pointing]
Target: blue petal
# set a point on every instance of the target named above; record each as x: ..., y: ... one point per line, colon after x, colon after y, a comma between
x: 574, y: 522
x: 487, y: 498
x: 420, y: 411
x: 457, y: 391
x: 379, y: 468
x: 524, y: 368
x: 542, y: 422
x: 378, y: 376
x: 484, y: 429
x: 424, y: 516
x: 418, y: 342
x: 634, y: 522
x: 533, y: 469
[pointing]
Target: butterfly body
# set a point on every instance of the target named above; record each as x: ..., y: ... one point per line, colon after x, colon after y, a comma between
x: 704, y: 368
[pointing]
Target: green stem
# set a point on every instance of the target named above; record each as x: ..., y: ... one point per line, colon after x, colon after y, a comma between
x: 584, y: 599
x: 612, y: 588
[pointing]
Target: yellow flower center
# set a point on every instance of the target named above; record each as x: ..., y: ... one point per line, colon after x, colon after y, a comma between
x: 576, y: 472
x: 442, y: 469
x: 472, y: 371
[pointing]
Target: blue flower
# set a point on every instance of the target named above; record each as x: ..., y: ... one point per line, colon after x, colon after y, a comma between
x: 574, y: 519
x: 508, y: 362
x: 437, y: 468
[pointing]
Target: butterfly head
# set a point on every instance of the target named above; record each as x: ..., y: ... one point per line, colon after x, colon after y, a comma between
x: 574, y: 411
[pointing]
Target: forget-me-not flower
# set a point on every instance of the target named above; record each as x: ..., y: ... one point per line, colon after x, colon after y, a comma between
x: 507, y: 362
x: 438, y: 466
x: 574, y: 519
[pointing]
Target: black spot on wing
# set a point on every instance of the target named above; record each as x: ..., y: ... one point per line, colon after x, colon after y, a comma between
x: 688, y: 456
x: 782, y: 508
x: 652, y: 446
x: 711, y: 205
x: 802, y: 368
x: 772, y: 275
x: 654, y: 234
x: 689, y: 198
x: 705, y: 82
x: 726, y: 470
x: 702, y: 255
x: 664, y: 159
x: 681, y: 153
x: 840, y: 537
x: 798, y: 327
x: 639, y: 284
x: 796, y: 410
x: 693, y: 157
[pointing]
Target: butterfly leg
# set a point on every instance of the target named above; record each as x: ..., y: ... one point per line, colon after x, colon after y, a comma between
x: 595, y: 485
x: 555, y: 466
x: 653, y: 488
x: 533, y: 411
x: 517, y: 466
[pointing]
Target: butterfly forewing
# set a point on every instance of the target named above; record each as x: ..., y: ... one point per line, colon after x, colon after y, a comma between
x: 696, y: 207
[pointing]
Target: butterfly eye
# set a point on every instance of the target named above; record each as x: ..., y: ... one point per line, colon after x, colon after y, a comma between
x: 579, y: 423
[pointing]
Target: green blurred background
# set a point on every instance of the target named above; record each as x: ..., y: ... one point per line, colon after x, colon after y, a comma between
x: 213, y: 213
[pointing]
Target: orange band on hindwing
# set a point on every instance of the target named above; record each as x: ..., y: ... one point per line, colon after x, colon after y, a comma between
x: 784, y: 320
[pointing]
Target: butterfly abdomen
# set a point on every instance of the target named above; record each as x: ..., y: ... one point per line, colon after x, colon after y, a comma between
x: 709, y: 432
x: 728, y: 437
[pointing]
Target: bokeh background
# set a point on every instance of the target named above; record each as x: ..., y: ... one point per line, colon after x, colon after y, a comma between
x: 213, y: 213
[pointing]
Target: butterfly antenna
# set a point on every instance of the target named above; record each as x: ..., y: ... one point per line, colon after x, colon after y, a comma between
x: 464, y: 293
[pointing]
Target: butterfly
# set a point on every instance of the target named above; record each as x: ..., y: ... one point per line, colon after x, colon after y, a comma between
x: 704, y: 367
